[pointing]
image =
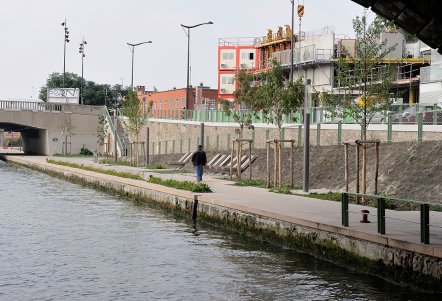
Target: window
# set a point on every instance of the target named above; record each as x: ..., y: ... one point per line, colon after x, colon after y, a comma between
x: 228, y: 56
x: 170, y: 104
x: 247, y: 56
x: 161, y: 104
x: 177, y: 103
x: 182, y: 102
x: 227, y: 80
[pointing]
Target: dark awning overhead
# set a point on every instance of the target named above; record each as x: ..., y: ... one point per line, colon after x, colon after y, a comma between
x: 420, y: 17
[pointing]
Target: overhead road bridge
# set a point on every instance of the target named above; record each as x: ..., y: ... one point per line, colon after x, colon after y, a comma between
x: 422, y: 18
x: 46, y: 128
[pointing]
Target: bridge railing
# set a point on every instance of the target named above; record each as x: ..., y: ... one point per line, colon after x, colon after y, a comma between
x: 10, y: 105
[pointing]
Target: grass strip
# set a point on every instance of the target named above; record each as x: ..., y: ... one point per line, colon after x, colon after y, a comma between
x: 183, y: 185
x: 99, y: 170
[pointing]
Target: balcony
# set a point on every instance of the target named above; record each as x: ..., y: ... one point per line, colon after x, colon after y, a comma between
x: 309, y: 55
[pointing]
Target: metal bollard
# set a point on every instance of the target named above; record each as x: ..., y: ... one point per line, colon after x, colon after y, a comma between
x: 195, y: 207
x: 364, y: 219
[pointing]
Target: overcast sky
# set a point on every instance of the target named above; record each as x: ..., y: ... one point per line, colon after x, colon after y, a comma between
x: 32, y: 37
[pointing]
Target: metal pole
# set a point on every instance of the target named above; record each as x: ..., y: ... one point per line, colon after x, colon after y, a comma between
x: 64, y: 62
x: 115, y: 136
x: 147, y: 145
x: 132, y: 76
x: 66, y: 40
x: 188, y: 67
x: 306, y: 138
x: 202, y: 134
x: 82, y: 79
x: 292, y: 40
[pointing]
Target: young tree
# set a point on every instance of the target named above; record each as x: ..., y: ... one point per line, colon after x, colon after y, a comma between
x: 277, y: 96
x: 364, y: 82
x: 136, y: 116
x: 245, y: 105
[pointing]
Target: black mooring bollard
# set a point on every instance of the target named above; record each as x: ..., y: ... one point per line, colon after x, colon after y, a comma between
x: 195, y: 207
x: 365, y: 216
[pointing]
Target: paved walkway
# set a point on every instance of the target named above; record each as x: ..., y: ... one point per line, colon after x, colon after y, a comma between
x: 402, y: 227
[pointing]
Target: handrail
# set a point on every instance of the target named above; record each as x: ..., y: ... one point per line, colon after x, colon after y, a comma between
x: 29, y: 106
x: 114, y: 132
x: 381, y: 214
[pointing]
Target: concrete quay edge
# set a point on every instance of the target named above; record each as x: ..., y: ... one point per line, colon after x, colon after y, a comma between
x: 206, y: 198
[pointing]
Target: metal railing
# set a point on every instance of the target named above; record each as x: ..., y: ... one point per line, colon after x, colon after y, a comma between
x: 399, y: 123
x: 112, y: 125
x: 10, y: 105
x: 382, y: 216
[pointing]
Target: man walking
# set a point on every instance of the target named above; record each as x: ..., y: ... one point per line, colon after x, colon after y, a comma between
x: 199, y: 160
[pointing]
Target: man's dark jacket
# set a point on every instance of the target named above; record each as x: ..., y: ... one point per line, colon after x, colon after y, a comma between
x: 199, y: 158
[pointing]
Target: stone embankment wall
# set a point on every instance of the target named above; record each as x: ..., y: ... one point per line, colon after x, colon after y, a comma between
x: 363, y: 252
x: 168, y: 137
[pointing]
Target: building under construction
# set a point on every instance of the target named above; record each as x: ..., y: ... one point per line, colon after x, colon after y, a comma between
x: 315, y: 54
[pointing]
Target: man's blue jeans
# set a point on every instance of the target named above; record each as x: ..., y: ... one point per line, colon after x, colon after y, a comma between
x: 199, y: 172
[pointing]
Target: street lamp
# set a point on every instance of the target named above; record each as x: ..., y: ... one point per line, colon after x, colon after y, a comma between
x: 188, y: 55
x: 291, y: 40
x: 66, y: 40
x: 133, y: 51
x: 81, y: 51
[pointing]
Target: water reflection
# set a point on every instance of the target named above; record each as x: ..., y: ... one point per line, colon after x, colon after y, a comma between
x: 60, y: 241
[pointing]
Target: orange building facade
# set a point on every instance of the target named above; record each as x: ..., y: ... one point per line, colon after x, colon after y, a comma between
x: 235, y: 54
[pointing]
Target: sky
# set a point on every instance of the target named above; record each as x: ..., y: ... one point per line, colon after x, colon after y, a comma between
x: 32, y: 37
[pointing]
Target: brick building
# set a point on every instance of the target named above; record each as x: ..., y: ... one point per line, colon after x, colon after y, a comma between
x: 174, y: 101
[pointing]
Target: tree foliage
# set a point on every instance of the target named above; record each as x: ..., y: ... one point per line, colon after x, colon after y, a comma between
x: 101, y: 130
x: 364, y: 82
x: 135, y: 113
x: 277, y: 96
x: 93, y: 93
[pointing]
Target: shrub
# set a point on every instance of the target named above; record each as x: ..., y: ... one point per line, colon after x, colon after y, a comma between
x: 84, y: 151
x: 183, y: 185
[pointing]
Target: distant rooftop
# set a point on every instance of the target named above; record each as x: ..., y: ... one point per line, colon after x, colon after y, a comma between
x: 242, y: 41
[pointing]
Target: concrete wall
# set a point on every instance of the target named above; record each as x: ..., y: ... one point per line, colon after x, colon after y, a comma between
x: 43, y: 130
x: 169, y: 136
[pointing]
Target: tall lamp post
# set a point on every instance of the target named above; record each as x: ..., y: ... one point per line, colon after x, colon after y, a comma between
x: 66, y: 40
x: 81, y: 51
x: 292, y: 40
x: 132, y: 48
x: 188, y: 27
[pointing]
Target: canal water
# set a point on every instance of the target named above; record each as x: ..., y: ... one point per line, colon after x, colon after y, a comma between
x: 62, y: 241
